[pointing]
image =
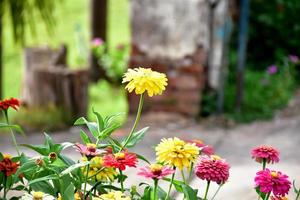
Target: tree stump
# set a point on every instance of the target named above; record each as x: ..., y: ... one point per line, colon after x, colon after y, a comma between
x: 48, y: 81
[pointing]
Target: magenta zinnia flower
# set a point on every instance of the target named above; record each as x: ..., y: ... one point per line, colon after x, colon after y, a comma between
x: 294, y: 59
x: 204, y: 148
x: 272, y: 181
x: 155, y: 171
x: 212, y: 168
x: 97, y: 42
x: 89, y: 150
x: 272, y: 69
x: 269, y: 153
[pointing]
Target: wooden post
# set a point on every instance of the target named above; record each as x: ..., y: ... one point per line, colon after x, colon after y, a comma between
x: 242, y: 53
x: 98, y: 30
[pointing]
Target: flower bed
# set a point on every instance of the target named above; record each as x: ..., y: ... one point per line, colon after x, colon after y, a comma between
x: 101, y: 171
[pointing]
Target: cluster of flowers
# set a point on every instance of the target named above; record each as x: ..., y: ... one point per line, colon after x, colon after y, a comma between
x: 270, y: 182
x: 273, y: 69
x: 100, y: 174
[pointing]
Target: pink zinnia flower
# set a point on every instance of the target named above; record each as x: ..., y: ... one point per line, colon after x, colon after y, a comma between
x: 272, y: 69
x: 212, y: 168
x: 120, y: 160
x: 294, y: 59
x: 97, y: 42
x: 155, y: 171
x: 90, y: 150
x: 272, y: 181
x: 269, y: 153
x: 205, y: 149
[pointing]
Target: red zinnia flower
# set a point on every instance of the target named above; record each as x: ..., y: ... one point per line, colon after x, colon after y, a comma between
x: 90, y: 150
x: 8, y: 166
x: 269, y: 153
x: 120, y: 160
x: 204, y: 148
x: 7, y: 103
x: 155, y: 171
x: 213, y: 168
x: 272, y: 181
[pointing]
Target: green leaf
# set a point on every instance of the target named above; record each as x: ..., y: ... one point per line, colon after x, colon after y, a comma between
x: 142, y: 158
x: 295, y: 188
x: 44, y: 186
x: 189, y: 193
x: 84, y: 137
x: 136, y: 137
x: 17, y: 128
x: 68, y: 193
x: 45, y: 178
x: 100, y: 120
x: 92, y: 126
x: 109, y: 119
x: 73, y: 167
x: 108, y: 131
x: 147, y: 193
x: 261, y: 194
x: 28, y: 166
x: 41, y: 149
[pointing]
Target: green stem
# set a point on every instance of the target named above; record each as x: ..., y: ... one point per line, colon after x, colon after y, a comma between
x: 121, y: 180
x: 264, y: 163
x: 217, y: 192
x: 267, y: 196
x: 12, y: 133
x: 183, y: 177
x: 4, y: 192
x: 155, y: 189
x: 298, y: 194
x: 171, y: 183
x: 206, y: 191
x: 86, y: 178
x: 191, y: 171
x: 137, y: 119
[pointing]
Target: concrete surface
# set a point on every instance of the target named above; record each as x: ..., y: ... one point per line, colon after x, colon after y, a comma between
x: 234, y: 144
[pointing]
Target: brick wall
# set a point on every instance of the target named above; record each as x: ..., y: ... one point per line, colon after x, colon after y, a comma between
x: 185, y: 82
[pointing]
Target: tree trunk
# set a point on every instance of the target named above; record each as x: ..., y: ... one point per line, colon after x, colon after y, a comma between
x: 46, y: 84
x: 1, y: 60
x: 98, y: 30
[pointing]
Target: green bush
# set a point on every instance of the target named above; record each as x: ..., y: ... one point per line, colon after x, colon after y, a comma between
x: 273, y: 31
x: 264, y: 93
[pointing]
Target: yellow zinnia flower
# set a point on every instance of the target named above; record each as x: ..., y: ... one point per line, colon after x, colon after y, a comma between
x: 98, y: 171
x: 37, y: 195
x: 176, y: 152
x: 115, y: 195
x: 142, y: 79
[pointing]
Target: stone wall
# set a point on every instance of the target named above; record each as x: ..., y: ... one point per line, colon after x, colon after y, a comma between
x: 171, y: 37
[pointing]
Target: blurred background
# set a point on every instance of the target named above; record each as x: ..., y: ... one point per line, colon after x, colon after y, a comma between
x: 232, y: 65
x: 232, y: 59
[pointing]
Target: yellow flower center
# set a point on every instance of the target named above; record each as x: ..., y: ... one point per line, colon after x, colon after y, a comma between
x: 120, y: 156
x: 6, y: 156
x: 274, y: 174
x: 156, y: 168
x: 215, y: 157
x: 91, y: 147
x: 38, y: 195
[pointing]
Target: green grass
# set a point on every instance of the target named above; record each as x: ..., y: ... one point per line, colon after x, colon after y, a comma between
x: 71, y: 25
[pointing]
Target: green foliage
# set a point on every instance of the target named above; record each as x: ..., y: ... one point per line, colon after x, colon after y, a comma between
x: 274, y: 31
x: 263, y: 93
x: 38, y: 120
